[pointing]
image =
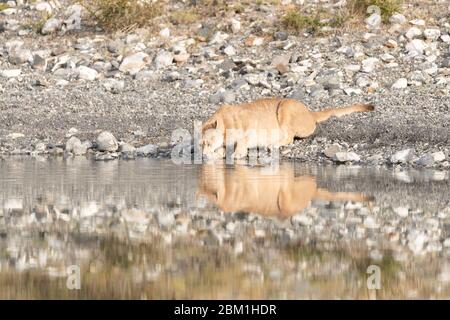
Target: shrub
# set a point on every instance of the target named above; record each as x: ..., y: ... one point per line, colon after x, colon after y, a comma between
x: 297, y: 21
x: 122, y: 14
x: 387, y: 7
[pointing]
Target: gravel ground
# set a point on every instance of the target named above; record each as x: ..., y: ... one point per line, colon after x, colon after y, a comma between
x: 77, y: 77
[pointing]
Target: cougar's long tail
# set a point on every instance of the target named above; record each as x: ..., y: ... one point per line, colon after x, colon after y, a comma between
x: 324, y: 115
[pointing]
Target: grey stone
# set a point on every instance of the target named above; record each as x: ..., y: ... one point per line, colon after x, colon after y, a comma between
x: 134, y: 63
x: 332, y: 150
x: 51, y: 25
x: 107, y: 142
x: 86, y: 73
x: 163, y: 59
x: 75, y: 146
x: 402, y: 156
x: 147, y: 150
x: 113, y: 85
x: 346, y: 156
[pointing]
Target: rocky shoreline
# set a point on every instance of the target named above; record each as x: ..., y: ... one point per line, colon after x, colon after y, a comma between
x: 64, y: 85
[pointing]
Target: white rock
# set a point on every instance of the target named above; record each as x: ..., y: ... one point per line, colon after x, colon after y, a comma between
x: 51, y: 25
x: 107, y: 142
x: 235, y: 25
x: 416, y: 47
x: 229, y: 51
x: 125, y: 147
x: 373, y: 21
x: 165, y: 33
x: 352, y: 67
x: 386, y: 57
x: 413, y: 32
x: 401, y: 83
x: 417, y: 22
x: 445, y: 38
x: 397, y: 18
x: 432, y: 34
x: 163, y: 59
x: 10, y: 73
x: 45, y: 7
x: 402, y: 156
x: 402, y: 211
x: 72, y: 131
x: 370, y: 64
x: 73, y: 17
x: 447, y: 244
x: 219, y: 37
x: 19, y: 55
x: 416, y: 241
x: 132, y: 64
x: 438, y: 156
x: 113, y: 85
x: 149, y: 149
x: 75, y: 146
x: 370, y: 223
x: 86, y: 73
x: 346, y: 156
x: 8, y: 11
x: 352, y: 91
x: 15, y: 135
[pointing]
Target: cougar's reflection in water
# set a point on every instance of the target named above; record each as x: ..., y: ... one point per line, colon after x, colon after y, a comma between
x: 279, y: 192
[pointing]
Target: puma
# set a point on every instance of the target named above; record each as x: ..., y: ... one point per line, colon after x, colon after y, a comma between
x: 251, y: 190
x: 268, y: 123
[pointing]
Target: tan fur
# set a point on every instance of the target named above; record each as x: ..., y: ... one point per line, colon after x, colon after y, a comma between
x: 250, y: 190
x: 286, y: 118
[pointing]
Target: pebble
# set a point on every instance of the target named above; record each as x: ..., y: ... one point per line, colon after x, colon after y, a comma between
x: 401, y: 83
x: 413, y: 32
x: 51, y: 26
x: 438, y: 156
x: 163, y: 59
x: 373, y: 21
x: 229, y: 51
x: 86, y: 73
x: 370, y: 64
x: 397, y: 18
x: 235, y: 25
x: 165, y: 33
x: 10, y: 73
x: 134, y: 63
x: 113, y: 85
x: 416, y: 47
x: 426, y: 160
x: 432, y: 34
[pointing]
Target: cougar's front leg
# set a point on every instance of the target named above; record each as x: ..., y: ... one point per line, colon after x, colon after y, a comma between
x: 241, y: 150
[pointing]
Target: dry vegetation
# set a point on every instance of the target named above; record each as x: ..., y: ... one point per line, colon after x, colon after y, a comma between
x: 128, y: 14
x: 3, y: 6
x: 122, y: 14
x: 355, y: 10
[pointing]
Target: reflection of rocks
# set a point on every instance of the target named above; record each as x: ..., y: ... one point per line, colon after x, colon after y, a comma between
x: 98, y: 214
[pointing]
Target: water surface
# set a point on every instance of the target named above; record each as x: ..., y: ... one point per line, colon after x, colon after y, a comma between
x: 149, y: 229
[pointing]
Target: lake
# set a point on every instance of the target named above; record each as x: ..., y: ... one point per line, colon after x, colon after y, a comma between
x: 150, y: 229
